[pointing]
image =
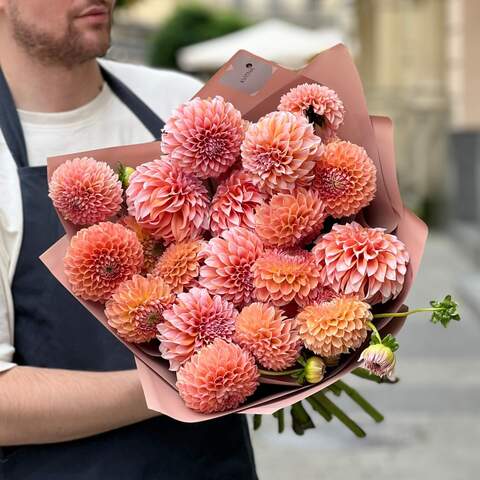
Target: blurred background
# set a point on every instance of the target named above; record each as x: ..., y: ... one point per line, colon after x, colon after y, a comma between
x: 419, y: 62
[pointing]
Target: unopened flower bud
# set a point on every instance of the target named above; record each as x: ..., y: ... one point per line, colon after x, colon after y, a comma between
x: 379, y: 359
x: 124, y: 175
x: 314, y: 370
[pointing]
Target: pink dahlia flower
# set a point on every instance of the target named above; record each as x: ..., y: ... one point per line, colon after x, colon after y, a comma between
x: 169, y: 203
x: 100, y: 258
x: 290, y: 219
x: 363, y: 261
x: 220, y: 377
x: 234, y: 203
x: 268, y: 335
x: 319, y: 104
x: 85, y: 191
x: 195, y: 319
x: 228, y: 265
x: 136, y: 308
x: 204, y: 136
x: 280, y: 152
x: 345, y: 178
x: 280, y: 276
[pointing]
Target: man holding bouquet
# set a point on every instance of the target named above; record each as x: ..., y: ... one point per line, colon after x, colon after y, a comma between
x: 71, y: 403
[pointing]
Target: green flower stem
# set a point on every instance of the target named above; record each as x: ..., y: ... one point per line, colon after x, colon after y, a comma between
x: 361, y: 401
x: 406, y: 314
x: 315, y: 404
x: 257, y: 422
x: 335, y: 389
x: 278, y: 374
x: 280, y: 416
x: 375, y: 331
x: 340, y: 414
x: 301, y: 420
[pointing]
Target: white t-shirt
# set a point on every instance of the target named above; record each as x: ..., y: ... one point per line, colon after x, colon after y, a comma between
x: 104, y: 122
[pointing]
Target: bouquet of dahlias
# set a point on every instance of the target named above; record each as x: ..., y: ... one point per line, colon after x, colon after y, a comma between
x: 257, y: 253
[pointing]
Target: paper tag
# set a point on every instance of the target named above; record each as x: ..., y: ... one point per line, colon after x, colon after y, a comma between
x: 247, y: 73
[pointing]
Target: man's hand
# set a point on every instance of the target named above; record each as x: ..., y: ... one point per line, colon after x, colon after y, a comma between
x: 40, y: 405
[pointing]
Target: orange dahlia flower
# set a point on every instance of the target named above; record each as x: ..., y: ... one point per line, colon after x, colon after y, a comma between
x: 152, y: 249
x: 136, y: 308
x: 290, y: 219
x: 280, y: 152
x: 345, y: 177
x: 85, y: 191
x: 179, y: 265
x: 335, y: 327
x: 280, y: 276
x: 220, y: 377
x: 100, y: 258
x: 268, y: 335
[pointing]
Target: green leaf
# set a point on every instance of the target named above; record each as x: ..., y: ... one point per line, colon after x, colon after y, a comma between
x: 447, y: 311
x: 391, y: 342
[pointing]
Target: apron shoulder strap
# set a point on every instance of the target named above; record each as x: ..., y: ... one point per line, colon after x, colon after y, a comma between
x: 10, y: 124
x: 152, y: 122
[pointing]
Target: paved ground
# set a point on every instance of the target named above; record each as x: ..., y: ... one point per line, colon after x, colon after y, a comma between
x: 432, y: 427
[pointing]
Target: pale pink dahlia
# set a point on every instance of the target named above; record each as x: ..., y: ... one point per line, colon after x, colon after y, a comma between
x: 234, y: 203
x: 194, y: 320
x: 280, y: 276
x: 345, y: 178
x: 363, y: 261
x: 319, y: 294
x: 219, y: 377
x: 228, y: 265
x: 100, y: 258
x: 280, y: 152
x: 320, y: 104
x: 290, y: 218
x: 136, y: 308
x: 204, y: 136
x: 168, y: 202
x: 268, y: 335
x: 335, y: 327
x: 85, y: 191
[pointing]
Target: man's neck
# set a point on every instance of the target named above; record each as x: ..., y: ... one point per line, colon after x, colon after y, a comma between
x: 48, y: 88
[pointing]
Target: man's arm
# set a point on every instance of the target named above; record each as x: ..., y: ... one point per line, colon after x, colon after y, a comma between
x: 40, y: 405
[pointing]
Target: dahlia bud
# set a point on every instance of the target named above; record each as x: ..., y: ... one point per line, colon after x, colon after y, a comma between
x: 379, y: 359
x: 124, y: 174
x: 314, y: 370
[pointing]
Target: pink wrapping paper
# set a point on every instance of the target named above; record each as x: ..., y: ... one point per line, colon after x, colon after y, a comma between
x: 335, y: 69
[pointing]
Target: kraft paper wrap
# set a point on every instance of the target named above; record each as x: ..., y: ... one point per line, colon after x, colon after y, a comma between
x: 254, y: 95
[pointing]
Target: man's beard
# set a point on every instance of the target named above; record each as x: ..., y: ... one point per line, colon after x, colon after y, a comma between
x: 67, y: 50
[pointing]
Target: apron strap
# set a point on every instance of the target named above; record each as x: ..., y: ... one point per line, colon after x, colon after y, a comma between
x: 11, y: 126
x: 152, y: 122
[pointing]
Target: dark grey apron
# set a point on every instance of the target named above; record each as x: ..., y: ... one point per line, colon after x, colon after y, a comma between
x: 52, y: 330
